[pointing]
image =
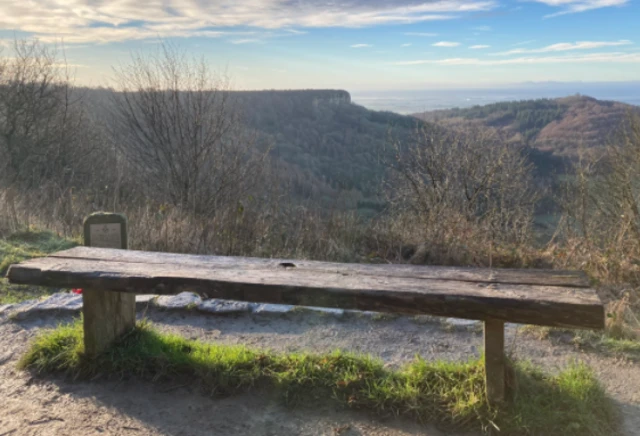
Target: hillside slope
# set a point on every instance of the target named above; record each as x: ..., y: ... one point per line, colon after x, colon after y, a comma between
x: 558, y: 125
x: 325, y: 141
x: 325, y: 146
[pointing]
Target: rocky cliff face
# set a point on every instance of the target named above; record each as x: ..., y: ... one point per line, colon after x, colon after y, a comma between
x: 332, y: 98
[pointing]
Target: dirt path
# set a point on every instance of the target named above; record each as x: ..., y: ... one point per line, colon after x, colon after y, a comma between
x: 60, y: 407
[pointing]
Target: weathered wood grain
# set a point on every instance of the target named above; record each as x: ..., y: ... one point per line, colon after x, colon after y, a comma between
x: 106, y: 316
x: 485, y: 275
x: 494, y: 361
x: 384, y: 288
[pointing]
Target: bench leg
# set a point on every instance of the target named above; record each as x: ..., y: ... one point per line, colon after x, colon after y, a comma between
x: 107, y: 315
x: 494, y: 362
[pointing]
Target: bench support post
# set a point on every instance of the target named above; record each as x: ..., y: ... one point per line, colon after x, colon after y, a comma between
x: 106, y: 314
x: 494, y: 362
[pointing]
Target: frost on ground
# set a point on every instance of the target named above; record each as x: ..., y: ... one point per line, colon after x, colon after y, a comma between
x: 36, y: 406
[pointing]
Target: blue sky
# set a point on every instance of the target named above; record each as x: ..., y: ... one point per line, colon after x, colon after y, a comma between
x: 354, y: 44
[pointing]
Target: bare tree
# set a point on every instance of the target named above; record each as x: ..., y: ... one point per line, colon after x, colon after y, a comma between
x: 44, y: 133
x: 603, y: 190
x: 41, y: 120
x: 454, y: 184
x: 175, y: 123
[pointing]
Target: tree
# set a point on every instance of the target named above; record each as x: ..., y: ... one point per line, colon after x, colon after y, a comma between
x: 174, y: 121
x: 42, y: 134
x: 45, y: 137
x: 455, y: 185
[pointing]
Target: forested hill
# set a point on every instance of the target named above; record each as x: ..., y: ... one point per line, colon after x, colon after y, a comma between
x: 558, y: 125
x: 326, y: 142
x: 325, y: 145
x: 328, y: 149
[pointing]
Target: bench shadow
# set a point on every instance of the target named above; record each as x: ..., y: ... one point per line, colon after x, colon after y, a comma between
x: 183, y: 409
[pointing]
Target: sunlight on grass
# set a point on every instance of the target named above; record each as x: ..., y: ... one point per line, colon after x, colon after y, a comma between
x: 449, y: 394
x: 22, y: 246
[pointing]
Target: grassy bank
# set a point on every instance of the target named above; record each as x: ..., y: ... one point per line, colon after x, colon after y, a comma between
x: 27, y: 245
x: 449, y: 394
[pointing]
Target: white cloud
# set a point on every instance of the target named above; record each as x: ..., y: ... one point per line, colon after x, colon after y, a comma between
x: 478, y: 46
x: 567, y: 46
x: 81, y: 21
x: 574, y: 6
x: 407, y: 44
x: 423, y: 34
x: 587, y: 58
x: 360, y: 45
x: 446, y: 44
x: 482, y: 28
x: 247, y: 41
x: 296, y: 31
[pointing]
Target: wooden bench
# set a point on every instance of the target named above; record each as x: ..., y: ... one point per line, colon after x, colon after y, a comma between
x: 495, y: 296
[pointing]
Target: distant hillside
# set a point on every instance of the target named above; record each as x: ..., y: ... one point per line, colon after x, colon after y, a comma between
x: 558, y: 125
x: 326, y: 145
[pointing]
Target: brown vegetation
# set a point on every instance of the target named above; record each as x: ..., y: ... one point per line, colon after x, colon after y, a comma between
x: 578, y: 122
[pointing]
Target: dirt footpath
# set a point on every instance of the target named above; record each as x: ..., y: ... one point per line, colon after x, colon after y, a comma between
x: 32, y: 406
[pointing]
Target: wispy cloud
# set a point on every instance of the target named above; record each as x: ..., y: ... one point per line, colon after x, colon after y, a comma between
x: 421, y: 34
x: 575, y: 6
x: 360, y: 45
x: 587, y: 58
x: 406, y: 44
x: 81, y: 21
x: 247, y: 41
x: 446, y: 44
x: 482, y: 28
x: 296, y: 31
x: 479, y: 47
x: 567, y: 46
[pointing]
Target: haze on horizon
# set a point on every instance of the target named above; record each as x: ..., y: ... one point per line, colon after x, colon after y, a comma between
x: 354, y: 44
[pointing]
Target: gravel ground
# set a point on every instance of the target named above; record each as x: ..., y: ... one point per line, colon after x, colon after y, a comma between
x: 34, y: 406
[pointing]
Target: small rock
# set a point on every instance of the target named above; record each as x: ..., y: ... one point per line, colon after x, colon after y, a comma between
x: 224, y: 306
x: 327, y: 310
x: 273, y: 308
x: 5, y: 308
x: 183, y: 300
x: 145, y: 298
x: 459, y: 322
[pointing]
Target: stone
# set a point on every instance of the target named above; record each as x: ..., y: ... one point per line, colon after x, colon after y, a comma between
x: 273, y: 308
x: 5, y: 308
x: 338, y: 312
x: 184, y: 300
x: 106, y: 230
x: 459, y: 322
x: 225, y: 306
x: 61, y: 301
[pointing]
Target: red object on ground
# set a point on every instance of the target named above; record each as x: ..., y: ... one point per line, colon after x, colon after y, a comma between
x: 77, y: 291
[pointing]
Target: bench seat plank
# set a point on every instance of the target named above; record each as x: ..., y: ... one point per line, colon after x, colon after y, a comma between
x: 472, y: 293
x: 506, y: 276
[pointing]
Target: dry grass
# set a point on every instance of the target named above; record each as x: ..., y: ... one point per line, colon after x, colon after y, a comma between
x: 269, y: 228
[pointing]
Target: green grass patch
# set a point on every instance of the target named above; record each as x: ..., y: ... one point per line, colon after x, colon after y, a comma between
x: 444, y: 393
x: 22, y: 246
